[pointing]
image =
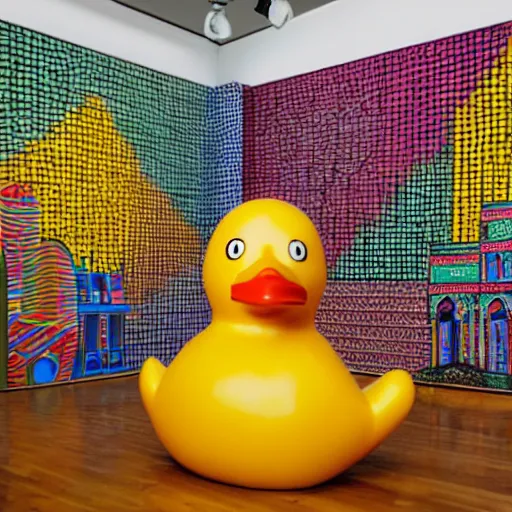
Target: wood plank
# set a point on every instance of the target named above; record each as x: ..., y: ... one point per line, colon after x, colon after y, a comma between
x: 90, y: 447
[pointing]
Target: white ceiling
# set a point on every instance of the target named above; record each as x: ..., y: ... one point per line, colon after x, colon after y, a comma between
x: 190, y: 14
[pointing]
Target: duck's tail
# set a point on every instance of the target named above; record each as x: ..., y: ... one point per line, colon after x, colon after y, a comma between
x: 391, y: 398
x: 150, y: 377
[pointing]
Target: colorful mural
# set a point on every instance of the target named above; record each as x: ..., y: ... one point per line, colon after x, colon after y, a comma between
x: 113, y: 176
x: 43, y: 317
x: 108, y: 193
x: 54, y: 307
x: 402, y: 160
x: 471, y: 296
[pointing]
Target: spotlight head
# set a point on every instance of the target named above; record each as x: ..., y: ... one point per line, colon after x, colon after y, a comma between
x: 263, y: 7
x: 216, y: 23
x: 278, y: 12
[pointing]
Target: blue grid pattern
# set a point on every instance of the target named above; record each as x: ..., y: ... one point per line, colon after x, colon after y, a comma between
x: 222, y: 173
x: 182, y: 310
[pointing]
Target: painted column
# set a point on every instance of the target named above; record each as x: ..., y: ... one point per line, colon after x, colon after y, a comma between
x: 482, y: 335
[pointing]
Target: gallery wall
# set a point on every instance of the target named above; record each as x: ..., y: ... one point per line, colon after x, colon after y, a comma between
x: 402, y: 160
x: 112, y: 177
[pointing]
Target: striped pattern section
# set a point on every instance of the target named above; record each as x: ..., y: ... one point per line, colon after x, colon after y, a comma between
x: 19, y: 224
x: 42, y: 289
x: 32, y: 341
x: 50, y: 284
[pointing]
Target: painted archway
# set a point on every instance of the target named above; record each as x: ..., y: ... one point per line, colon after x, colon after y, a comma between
x: 497, y: 342
x: 447, y: 332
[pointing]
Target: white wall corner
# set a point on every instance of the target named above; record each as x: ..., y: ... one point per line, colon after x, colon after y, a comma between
x: 347, y: 30
x: 113, y: 29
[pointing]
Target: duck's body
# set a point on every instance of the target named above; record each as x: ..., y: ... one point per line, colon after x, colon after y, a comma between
x: 267, y: 402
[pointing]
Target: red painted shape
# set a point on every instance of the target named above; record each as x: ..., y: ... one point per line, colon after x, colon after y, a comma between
x: 496, y: 246
x: 498, y: 214
x: 495, y: 287
x: 440, y: 289
x: 455, y: 259
x: 17, y: 191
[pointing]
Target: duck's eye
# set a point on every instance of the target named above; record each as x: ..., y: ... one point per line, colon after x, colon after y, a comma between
x: 297, y: 250
x: 235, y: 249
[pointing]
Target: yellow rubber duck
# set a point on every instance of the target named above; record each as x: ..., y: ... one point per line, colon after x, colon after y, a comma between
x: 259, y: 398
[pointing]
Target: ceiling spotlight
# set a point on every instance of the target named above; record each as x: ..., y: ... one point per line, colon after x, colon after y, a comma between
x: 216, y: 24
x: 278, y: 12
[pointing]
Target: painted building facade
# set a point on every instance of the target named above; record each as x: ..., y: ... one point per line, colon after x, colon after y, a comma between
x: 102, y: 310
x: 470, y: 295
x: 42, y: 330
x: 64, y: 322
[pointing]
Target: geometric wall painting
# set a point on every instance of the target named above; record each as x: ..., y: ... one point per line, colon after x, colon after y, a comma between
x: 105, y: 208
x: 404, y: 163
x: 113, y: 177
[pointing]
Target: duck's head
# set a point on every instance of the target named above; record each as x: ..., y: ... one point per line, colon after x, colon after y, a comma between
x: 265, y: 262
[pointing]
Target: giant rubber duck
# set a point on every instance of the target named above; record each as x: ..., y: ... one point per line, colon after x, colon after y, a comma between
x: 259, y: 398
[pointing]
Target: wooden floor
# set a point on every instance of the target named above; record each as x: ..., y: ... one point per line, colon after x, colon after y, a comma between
x: 90, y: 447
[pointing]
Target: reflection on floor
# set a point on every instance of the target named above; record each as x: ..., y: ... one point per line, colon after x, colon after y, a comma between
x: 90, y: 447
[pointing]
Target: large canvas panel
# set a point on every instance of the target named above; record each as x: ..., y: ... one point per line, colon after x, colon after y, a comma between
x: 106, y: 203
x: 403, y: 161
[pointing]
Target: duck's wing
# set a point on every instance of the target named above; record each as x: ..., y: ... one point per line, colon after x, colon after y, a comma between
x: 149, y: 380
x: 391, y: 398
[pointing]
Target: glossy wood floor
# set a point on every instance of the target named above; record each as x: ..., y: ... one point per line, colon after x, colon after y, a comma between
x: 90, y: 447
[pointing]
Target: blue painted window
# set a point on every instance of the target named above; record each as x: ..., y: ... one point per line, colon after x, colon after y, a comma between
x: 82, y: 282
x: 499, y: 267
x: 101, y: 293
x: 115, y: 331
x: 507, y: 266
x: 91, y: 332
x: 498, y: 342
x: 45, y: 370
x: 492, y: 268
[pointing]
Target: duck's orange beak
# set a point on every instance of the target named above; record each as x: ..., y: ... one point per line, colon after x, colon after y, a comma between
x: 269, y: 288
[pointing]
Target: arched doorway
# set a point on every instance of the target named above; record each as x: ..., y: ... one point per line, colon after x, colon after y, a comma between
x: 44, y: 370
x: 497, y: 335
x: 447, y: 332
